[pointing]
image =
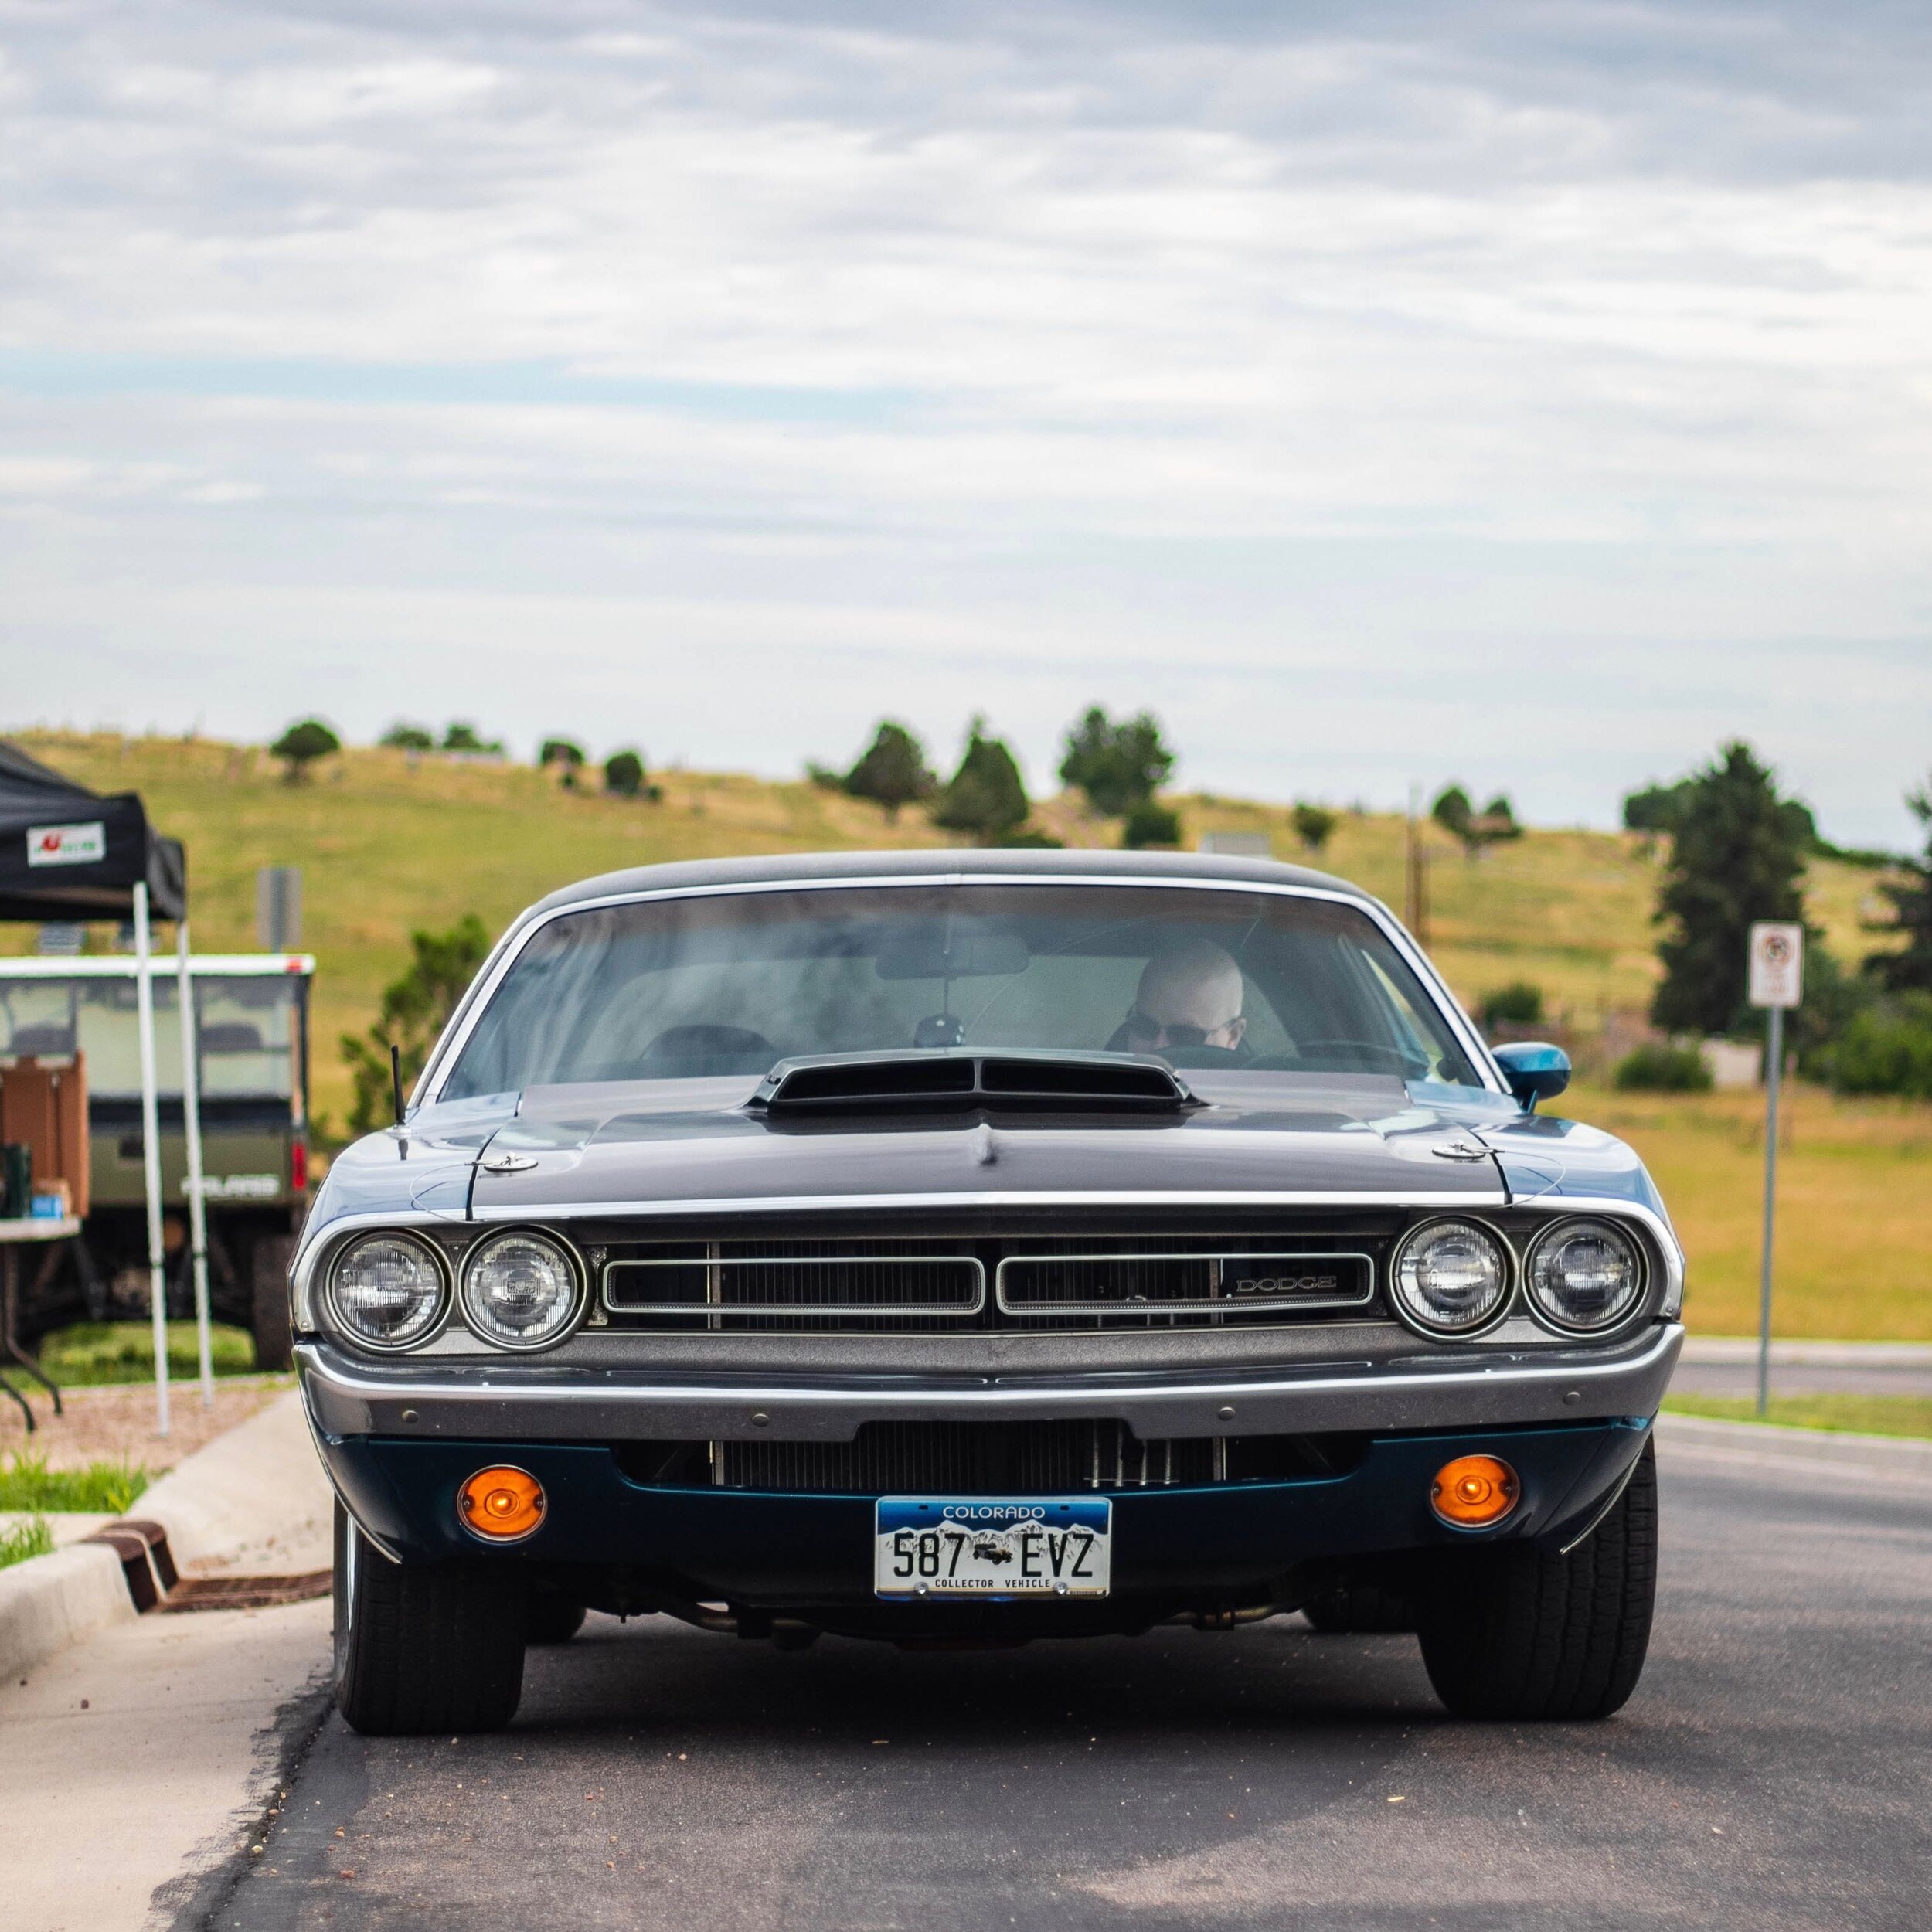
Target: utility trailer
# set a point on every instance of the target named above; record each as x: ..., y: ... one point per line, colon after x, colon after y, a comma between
x: 252, y: 1015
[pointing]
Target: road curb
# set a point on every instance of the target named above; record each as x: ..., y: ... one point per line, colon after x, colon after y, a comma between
x: 1895, y: 1461
x: 254, y: 1499
x: 49, y: 1602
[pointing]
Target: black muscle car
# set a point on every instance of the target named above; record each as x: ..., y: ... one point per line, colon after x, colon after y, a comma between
x: 983, y: 1246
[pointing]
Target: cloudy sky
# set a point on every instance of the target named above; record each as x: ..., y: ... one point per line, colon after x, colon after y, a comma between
x: 1532, y: 395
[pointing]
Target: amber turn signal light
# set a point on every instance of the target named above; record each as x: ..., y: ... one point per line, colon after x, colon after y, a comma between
x: 1473, y: 1491
x: 501, y: 1505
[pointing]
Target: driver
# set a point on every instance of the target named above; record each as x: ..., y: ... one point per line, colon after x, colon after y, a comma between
x: 1190, y: 994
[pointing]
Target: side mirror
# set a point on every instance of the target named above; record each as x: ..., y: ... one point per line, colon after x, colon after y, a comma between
x: 1535, y: 1070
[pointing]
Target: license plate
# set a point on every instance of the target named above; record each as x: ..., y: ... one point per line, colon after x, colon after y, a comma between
x: 989, y: 1546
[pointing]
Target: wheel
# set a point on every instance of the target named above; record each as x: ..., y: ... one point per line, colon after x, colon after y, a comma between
x: 1514, y: 1632
x: 435, y: 1648
x: 1366, y: 1608
x: 549, y: 1616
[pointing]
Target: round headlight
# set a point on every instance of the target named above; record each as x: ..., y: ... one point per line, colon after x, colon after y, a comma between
x: 387, y: 1290
x: 1584, y: 1276
x: 1452, y: 1277
x: 520, y: 1290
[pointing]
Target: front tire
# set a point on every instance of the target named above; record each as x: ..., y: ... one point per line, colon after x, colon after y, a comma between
x: 437, y: 1647
x: 1510, y: 1631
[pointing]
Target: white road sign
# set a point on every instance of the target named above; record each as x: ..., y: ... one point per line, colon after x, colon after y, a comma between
x: 1777, y: 964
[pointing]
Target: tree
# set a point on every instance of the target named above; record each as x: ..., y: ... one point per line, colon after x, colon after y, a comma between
x: 1118, y: 766
x: 414, y: 1010
x: 892, y: 772
x: 1313, y: 826
x: 565, y: 753
x: 463, y: 737
x: 1736, y: 857
x: 300, y: 745
x: 1150, y: 823
x: 1654, y: 809
x: 1519, y: 1004
x: 1494, y: 823
x: 623, y: 773
x: 1909, y: 969
x: 408, y: 737
x: 985, y: 796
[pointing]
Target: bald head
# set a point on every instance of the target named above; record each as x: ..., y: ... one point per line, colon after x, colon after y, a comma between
x: 1193, y: 986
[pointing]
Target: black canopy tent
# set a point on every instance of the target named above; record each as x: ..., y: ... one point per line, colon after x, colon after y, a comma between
x: 69, y: 854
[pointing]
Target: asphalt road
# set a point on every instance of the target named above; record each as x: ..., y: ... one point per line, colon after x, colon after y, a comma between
x: 1774, y: 1770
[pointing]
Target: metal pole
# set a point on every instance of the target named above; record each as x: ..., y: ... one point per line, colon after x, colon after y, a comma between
x: 191, y: 1121
x: 1774, y: 1049
x: 151, y: 1152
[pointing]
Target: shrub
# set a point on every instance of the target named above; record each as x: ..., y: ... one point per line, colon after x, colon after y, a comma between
x: 1520, y: 1003
x: 408, y: 737
x: 1886, y: 1050
x: 464, y: 737
x: 1150, y: 823
x: 300, y: 745
x: 1313, y: 824
x: 623, y: 774
x: 1657, y: 1068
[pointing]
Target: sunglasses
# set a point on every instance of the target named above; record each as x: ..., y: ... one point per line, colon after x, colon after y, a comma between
x: 1139, y: 1026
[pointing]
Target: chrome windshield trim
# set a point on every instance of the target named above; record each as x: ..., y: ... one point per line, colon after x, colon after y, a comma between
x: 519, y: 1400
x: 456, y: 1035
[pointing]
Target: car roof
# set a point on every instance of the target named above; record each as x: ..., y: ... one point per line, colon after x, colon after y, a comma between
x: 945, y: 862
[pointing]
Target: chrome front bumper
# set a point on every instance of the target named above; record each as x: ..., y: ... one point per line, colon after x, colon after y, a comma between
x: 521, y: 1401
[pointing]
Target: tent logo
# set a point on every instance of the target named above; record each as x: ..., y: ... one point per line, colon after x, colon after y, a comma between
x: 67, y: 845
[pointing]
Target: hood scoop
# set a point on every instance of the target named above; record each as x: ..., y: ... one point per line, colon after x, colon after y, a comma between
x: 942, y: 1082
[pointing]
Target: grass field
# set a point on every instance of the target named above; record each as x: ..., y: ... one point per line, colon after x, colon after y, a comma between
x: 1855, y: 1177
x: 386, y: 845
x: 1857, y: 1415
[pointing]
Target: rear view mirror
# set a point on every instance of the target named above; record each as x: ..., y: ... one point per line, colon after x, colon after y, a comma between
x: 931, y: 953
x: 1535, y: 1070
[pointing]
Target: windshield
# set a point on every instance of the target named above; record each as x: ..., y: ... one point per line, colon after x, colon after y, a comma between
x: 689, y: 987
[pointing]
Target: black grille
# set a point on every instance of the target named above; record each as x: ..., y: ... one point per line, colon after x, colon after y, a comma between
x: 969, y: 1459
x: 878, y: 1285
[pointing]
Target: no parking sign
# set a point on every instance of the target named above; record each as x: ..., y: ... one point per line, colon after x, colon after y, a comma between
x: 1777, y: 964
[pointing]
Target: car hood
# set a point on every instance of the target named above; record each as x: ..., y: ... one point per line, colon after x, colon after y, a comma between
x: 660, y: 1146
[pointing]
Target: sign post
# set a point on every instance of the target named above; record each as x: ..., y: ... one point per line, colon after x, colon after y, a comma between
x: 1777, y: 982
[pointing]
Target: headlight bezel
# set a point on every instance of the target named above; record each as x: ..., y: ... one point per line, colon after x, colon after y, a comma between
x: 574, y: 1266
x: 1505, y: 1302
x: 445, y: 1295
x: 1562, y: 1228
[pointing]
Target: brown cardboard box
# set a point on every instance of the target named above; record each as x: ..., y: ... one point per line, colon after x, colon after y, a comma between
x: 43, y: 1101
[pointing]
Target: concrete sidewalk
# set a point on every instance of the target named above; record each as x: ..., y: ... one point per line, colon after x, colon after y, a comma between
x: 137, y: 1754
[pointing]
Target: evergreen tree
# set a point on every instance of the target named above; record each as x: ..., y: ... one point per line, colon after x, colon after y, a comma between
x: 1118, y: 766
x: 1736, y: 857
x: 985, y: 797
x: 892, y: 772
x: 1909, y: 970
x: 414, y: 1010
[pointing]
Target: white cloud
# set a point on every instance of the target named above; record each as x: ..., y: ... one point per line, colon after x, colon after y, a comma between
x: 1550, y: 364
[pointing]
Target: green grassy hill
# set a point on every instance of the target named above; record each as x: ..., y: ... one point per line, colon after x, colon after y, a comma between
x: 387, y: 844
